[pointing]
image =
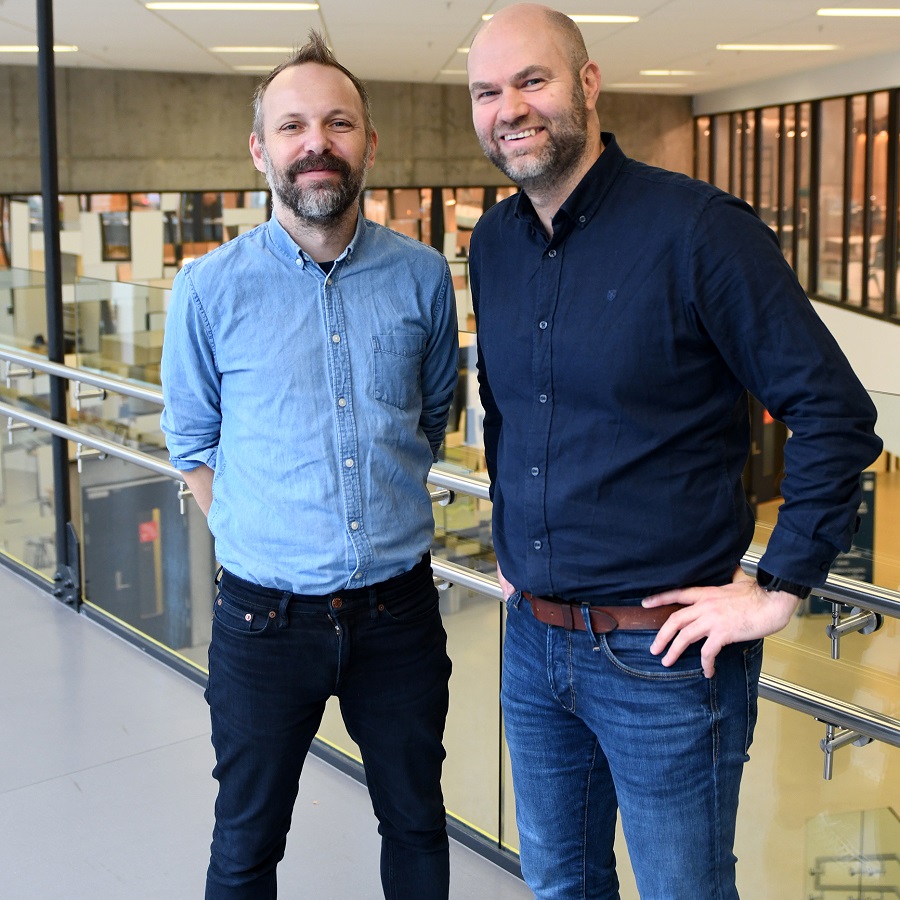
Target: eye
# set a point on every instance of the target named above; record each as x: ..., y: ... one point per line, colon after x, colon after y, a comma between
x: 342, y: 125
x: 486, y: 95
x: 533, y: 82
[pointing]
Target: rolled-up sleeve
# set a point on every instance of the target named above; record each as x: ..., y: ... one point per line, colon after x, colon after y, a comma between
x: 439, y: 365
x: 191, y: 419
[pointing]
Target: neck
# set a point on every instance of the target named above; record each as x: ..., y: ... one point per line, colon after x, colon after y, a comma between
x: 547, y: 200
x: 322, y: 242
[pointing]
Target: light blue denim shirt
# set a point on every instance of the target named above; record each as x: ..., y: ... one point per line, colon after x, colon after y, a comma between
x: 318, y: 400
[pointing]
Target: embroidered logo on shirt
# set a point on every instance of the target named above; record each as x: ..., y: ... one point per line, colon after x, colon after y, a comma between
x: 610, y: 295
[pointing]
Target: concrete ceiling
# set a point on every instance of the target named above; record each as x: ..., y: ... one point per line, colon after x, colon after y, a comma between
x: 419, y: 40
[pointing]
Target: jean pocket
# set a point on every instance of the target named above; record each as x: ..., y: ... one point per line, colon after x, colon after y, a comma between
x: 412, y: 608
x: 397, y: 365
x: 629, y: 651
x: 240, y: 617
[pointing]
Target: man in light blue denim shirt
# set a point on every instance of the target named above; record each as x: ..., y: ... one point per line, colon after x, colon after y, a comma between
x: 308, y: 370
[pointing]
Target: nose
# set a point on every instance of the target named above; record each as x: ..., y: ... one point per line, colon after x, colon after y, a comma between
x: 317, y: 140
x: 512, y: 105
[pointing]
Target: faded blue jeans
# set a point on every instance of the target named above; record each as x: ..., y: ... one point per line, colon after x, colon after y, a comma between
x: 596, y: 726
x: 274, y: 659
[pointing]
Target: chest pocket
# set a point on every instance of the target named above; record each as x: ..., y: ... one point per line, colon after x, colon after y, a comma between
x: 397, y: 368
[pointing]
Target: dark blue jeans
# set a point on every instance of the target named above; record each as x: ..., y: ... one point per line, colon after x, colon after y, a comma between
x: 274, y: 659
x: 598, y: 726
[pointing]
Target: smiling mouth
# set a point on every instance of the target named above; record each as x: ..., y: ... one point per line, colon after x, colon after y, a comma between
x: 521, y: 135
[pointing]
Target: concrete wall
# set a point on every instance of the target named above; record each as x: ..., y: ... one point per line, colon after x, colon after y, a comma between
x: 151, y: 131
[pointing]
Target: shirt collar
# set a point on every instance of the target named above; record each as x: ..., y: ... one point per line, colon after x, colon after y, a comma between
x: 584, y: 201
x: 287, y: 246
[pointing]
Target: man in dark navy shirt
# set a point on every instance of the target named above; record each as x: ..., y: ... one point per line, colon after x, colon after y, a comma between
x: 624, y: 312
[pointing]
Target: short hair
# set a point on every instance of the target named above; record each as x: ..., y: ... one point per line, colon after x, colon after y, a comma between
x: 315, y: 50
x: 574, y: 39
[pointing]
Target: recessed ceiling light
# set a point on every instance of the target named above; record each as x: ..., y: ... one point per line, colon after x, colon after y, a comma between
x: 251, y: 49
x: 601, y: 20
x: 644, y: 85
x: 861, y: 13
x: 235, y: 7
x: 775, y: 48
x: 33, y: 48
x: 666, y: 73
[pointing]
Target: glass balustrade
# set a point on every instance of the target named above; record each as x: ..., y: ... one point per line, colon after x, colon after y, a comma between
x: 150, y: 567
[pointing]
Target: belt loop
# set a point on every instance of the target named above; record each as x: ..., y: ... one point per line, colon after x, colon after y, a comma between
x: 218, y: 577
x: 586, y: 615
x: 283, y: 619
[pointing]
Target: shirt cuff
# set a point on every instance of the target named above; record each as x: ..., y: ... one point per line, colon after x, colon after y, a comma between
x: 799, y: 559
x: 189, y: 461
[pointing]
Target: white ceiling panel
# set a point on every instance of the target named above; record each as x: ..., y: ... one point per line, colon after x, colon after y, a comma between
x: 417, y: 40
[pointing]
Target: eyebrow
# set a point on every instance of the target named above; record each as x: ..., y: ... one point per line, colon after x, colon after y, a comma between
x: 521, y: 75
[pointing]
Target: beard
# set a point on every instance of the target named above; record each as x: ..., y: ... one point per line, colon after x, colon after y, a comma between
x: 565, y: 145
x: 317, y: 204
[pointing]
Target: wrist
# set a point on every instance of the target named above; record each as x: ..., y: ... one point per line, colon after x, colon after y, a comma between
x: 773, y: 583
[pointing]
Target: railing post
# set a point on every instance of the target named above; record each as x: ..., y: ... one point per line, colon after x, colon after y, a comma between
x: 68, y: 570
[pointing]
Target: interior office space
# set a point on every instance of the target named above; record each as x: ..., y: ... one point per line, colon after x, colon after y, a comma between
x: 154, y: 168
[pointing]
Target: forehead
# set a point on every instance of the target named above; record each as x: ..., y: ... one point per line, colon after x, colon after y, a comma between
x: 509, y: 48
x: 309, y: 89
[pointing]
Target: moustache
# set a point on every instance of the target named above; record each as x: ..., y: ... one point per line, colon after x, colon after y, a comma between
x: 326, y: 163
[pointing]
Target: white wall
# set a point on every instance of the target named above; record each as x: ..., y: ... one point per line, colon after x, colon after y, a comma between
x: 873, y: 348
x: 855, y: 77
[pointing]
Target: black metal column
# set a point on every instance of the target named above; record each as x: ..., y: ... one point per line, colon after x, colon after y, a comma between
x: 67, y: 576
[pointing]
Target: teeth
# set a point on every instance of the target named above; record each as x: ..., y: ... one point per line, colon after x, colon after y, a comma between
x: 531, y: 132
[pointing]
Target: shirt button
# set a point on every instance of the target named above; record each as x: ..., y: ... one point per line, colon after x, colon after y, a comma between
x: 543, y: 398
x: 327, y: 281
x: 537, y: 545
x: 358, y: 575
x: 354, y: 526
x: 335, y: 339
x: 542, y: 325
x: 535, y: 470
x: 582, y: 219
x: 348, y: 463
x: 551, y: 253
x: 298, y: 262
x: 342, y: 402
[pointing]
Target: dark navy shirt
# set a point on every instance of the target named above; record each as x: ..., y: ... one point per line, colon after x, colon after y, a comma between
x: 614, y: 361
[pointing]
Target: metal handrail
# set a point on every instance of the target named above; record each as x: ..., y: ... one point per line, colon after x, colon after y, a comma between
x: 828, y: 709
x: 89, y: 440
x: 114, y: 385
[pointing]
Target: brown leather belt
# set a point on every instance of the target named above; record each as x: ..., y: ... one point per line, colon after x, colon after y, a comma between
x: 603, y: 618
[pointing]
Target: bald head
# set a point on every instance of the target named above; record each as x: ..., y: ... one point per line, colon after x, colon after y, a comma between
x: 529, y: 18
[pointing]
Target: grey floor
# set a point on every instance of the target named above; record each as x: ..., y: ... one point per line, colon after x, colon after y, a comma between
x: 105, y: 786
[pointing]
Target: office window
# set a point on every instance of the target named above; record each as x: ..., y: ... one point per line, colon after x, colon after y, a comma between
x: 770, y: 204
x: 702, y: 148
x: 802, y: 214
x: 721, y: 133
x: 876, y: 200
x: 831, y: 198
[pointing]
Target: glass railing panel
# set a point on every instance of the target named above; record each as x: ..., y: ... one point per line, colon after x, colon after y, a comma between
x: 117, y: 328
x: 145, y: 562
x: 27, y: 524
x: 23, y: 310
x: 866, y: 672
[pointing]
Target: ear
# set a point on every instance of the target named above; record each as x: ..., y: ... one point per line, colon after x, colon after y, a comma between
x: 590, y: 83
x: 371, y: 159
x: 256, y: 151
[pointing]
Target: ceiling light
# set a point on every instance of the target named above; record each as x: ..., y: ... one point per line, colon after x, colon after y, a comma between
x: 251, y: 49
x: 462, y: 49
x: 236, y: 7
x: 798, y: 48
x: 577, y: 17
x: 862, y: 13
x: 666, y: 73
x: 645, y: 85
x: 33, y: 48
